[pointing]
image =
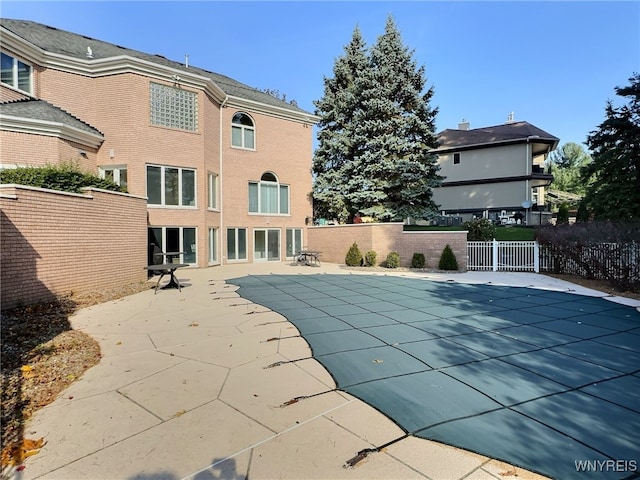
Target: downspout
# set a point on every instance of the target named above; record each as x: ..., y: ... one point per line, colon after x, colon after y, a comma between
x: 220, y: 183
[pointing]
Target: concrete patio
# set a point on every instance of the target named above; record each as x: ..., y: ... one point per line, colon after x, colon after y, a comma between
x: 183, y: 391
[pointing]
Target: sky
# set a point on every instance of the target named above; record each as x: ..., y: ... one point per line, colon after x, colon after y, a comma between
x: 554, y: 64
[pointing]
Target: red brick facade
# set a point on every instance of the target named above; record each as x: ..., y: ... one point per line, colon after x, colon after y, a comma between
x: 118, y: 106
x: 55, y: 243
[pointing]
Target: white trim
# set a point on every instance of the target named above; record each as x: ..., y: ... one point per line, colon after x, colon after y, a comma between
x: 50, y: 129
x: 126, y: 64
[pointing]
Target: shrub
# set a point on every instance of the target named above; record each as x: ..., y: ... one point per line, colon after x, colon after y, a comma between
x: 583, y: 213
x: 563, y: 214
x: 480, y: 230
x: 65, y: 177
x: 595, y: 250
x: 417, y: 261
x: 448, y: 259
x: 370, y: 258
x: 393, y: 260
x: 354, y: 257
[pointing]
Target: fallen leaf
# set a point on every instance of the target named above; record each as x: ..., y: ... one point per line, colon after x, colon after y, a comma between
x: 119, y: 343
x: 16, y: 453
x: 377, y: 360
x: 26, y: 368
x: 180, y: 413
x: 193, y: 324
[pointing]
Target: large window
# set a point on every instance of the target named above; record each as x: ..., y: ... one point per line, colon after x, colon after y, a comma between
x: 173, y: 107
x: 212, y: 190
x: 176, y: 239
x: 117, y: 174
x: 294, y: 241
x: 16, y: 73
x: 171, y: 186
x: 268, y: 196
x: 236, y: 243
x: 242, y: 131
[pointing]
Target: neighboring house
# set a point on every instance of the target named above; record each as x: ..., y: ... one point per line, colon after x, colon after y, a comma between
x: 226, y: 168
x: 495, y: 172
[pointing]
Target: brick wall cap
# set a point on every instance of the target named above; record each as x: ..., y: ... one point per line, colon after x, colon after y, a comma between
x: 60, y: 192
x: 102, y: 190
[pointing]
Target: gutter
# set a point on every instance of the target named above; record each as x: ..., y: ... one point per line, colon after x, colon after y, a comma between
x: 221, y: 182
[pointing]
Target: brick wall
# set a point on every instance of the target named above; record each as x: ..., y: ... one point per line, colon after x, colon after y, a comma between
x: 334, y: 242
x: 54, y: 243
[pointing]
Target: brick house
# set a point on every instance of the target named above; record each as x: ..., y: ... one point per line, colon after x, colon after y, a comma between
x: 494, y: 172
x: 225, y: 168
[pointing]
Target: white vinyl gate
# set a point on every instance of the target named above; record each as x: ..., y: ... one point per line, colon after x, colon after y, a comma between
x: 503, y: 256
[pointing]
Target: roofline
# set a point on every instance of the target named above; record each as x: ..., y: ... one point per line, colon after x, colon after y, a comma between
x: 530, y: 139
x: 272, y: 110
x: 11, y: 123
x: 123, y: 64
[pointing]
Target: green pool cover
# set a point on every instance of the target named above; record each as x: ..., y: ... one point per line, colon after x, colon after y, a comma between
x: 548, y: 381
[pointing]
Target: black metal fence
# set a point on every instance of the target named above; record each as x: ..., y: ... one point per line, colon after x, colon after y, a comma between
x: 617, y: 263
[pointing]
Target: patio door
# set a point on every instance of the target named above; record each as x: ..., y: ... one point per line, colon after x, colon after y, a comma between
x: 266, y: 245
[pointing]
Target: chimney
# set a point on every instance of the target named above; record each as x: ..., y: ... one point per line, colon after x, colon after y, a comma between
x: 511, y: 118
x: 464, y: 125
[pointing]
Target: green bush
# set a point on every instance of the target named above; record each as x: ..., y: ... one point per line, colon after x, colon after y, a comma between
x: 393, y: 260
x: 480, y: 230
x: 354, y: 257
x: 417, y: 261
x: 370, y: 258
x: 65, y: 177
x: 448, y: 260
x: 563, y: 214
x: 582, y: 215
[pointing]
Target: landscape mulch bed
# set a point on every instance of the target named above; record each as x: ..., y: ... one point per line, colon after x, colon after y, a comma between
x: 41, y: 355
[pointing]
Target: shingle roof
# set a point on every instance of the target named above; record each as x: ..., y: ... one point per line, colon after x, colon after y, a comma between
x: 42, y: 110
x: 505, y: 133
x: 74, y: 45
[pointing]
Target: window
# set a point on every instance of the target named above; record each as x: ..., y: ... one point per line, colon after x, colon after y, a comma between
x: 173, y: 107
x: 236, y: 243
x: 212, y: 190
x: 294, y: 241
x: 213, y: 245
x: 176, y: 239
x: 266, y: 245
x: 171, y: 186
x: 242, y: 131
x: 117, y: 174
x: 16, y: 73
x: 268, y: 196
x: 456, y: 158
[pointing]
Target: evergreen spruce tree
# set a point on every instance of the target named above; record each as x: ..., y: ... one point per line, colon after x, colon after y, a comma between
x: 333, y: 160
x: 376, y: 134
x: 615, y: 148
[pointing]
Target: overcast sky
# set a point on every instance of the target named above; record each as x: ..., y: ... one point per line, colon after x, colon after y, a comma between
x: 554, y: 64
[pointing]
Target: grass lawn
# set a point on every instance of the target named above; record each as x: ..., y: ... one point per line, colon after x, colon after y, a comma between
x: 505, y: 234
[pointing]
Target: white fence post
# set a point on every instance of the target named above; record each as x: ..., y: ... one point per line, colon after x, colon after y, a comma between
x: 536, y: 257
x: 495, y: 255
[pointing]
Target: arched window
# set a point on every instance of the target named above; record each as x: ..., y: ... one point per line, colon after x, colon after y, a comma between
x: 243, y: 133
x: 268, y: 196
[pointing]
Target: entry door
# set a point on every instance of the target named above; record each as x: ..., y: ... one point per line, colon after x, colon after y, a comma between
x: 266, y: 245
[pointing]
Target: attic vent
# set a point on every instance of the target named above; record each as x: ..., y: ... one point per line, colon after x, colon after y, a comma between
x: 89, y: 52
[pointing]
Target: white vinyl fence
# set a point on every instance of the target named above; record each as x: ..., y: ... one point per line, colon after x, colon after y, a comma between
x: 503, y: 256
